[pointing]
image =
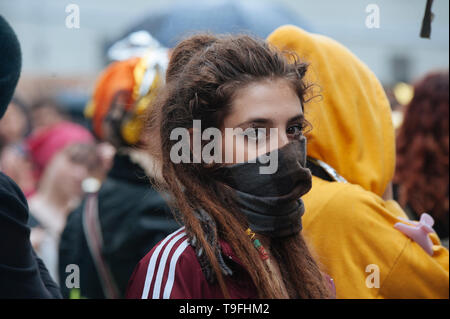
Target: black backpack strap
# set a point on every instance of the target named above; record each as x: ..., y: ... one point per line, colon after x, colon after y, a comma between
x: 323, y: 171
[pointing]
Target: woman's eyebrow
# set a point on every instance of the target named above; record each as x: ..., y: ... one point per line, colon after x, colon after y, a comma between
x: 269, y: 122
x: 297, y: 118
x: 258, y: 120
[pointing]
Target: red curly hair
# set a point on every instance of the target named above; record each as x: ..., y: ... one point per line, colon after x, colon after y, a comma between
x: 422, y: 148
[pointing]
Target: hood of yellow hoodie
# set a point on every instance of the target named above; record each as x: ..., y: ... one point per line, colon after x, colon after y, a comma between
x: 351, y: 119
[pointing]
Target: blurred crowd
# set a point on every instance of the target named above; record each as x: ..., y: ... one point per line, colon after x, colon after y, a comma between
x: 48, y: 156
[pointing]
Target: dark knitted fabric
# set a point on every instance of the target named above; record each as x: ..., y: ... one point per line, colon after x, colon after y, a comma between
x: 10, y: 63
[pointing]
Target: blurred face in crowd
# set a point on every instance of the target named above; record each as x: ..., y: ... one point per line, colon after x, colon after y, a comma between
x: 15, y: 164
x: 69, y: 167
x: 106, y: 154
x: 264, y: 105
x: 13, y: 125
x: 45, y: 115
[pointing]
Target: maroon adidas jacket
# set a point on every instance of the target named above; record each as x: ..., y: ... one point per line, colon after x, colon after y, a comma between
x: 171, y: 271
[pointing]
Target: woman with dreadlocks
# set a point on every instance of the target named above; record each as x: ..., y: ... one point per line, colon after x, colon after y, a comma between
x: 242, y: 235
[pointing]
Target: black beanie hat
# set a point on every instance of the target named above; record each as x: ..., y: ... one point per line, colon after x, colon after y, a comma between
x: 10, y: 64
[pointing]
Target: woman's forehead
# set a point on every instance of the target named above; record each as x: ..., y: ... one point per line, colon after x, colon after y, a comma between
x: 273, y: 100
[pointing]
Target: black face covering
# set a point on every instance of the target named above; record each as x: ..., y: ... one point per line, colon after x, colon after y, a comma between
x: 271, y: 202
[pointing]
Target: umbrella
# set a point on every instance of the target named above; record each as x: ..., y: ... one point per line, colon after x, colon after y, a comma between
x: 171, y: 23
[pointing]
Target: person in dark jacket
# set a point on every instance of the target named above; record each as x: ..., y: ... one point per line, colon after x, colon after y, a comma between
x: 22, y: 273
x: 118, y: 224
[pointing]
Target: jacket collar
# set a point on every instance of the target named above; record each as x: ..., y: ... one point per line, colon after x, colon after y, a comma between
x: 124, y: 169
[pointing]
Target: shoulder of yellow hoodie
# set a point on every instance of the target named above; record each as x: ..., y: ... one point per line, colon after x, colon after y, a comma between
x: 351, y: 232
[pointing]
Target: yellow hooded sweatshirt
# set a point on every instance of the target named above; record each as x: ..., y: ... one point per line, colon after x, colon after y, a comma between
x: 349, y: 226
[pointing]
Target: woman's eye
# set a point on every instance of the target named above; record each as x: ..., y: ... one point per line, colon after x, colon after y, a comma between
x: 295, y: 129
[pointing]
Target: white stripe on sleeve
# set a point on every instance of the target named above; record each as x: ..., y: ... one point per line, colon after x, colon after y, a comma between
x: 162, y: 264
x: 173, y: 263
x: 152, y: 263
